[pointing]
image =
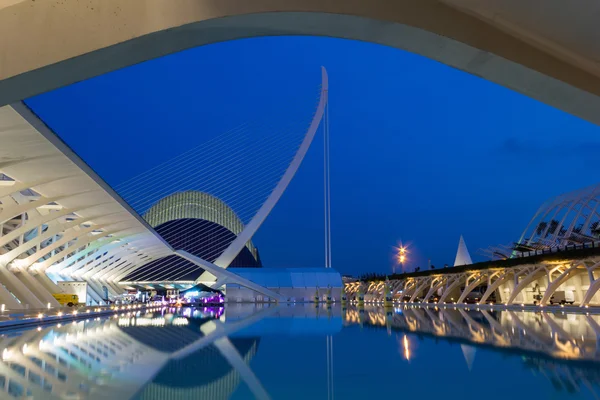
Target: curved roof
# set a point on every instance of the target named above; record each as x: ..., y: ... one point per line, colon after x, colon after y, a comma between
x: 570, y: 218
x: 73, y: 223
x: 196, y: 205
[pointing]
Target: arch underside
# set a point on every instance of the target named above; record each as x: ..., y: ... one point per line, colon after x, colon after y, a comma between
x: 511, y: 44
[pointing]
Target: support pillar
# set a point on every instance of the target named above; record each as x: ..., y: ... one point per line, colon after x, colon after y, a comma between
x: 17, y: 287
x: 37, y: 288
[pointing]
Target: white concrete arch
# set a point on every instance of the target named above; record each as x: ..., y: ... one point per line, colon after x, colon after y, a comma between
x: 436, y: 284
x: 565, y: 272
x: 472, y: 282
x: 451, y: 284
x: 501, y: 277
x: 530, y: 274
x: 420, y: 286
x: 508, y: 42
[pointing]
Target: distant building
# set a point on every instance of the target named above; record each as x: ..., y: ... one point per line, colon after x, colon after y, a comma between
x: 175, y: 216
x: 295, y: 284
x: 462, y: 254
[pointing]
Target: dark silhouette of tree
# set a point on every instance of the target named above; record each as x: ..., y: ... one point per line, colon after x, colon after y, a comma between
x: 595, y: 229
x: 541, y: 227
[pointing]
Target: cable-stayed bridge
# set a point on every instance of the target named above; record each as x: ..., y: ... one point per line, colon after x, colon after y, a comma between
x: 60, y: 221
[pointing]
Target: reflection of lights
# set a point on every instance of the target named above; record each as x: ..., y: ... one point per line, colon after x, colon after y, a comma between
x: 25, y: 348
x: 6, y: 354
x: 406, y: 348
x: 60, y: 314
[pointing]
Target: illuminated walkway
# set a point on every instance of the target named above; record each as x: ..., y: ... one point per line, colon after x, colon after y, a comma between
x: 528, y: 280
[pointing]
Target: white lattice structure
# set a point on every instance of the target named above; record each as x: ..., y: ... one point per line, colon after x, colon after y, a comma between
x: 571, y: 218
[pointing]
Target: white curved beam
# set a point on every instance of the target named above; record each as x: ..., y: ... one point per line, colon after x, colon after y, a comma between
x: 469, y: 288
x: 554, y: 285
x: 250, y: 229
x: 231, y: 277
x: 530, y: 277
x: 419, y: 288
x: 502, y: 277
x: 435, y: 285
x: 457, y: 280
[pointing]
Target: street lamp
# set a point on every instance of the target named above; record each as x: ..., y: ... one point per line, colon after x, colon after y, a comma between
x: 400, y: 257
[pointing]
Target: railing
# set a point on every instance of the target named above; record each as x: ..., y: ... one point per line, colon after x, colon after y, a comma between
x: 559, y: 249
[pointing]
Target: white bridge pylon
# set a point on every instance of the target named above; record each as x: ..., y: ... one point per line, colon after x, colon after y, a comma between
x: 229, y: 254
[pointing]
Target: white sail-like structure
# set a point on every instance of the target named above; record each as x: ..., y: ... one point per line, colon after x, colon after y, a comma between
x: 462, y: 255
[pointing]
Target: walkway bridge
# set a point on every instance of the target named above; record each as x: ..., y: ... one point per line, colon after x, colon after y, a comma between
x: 531, y: 279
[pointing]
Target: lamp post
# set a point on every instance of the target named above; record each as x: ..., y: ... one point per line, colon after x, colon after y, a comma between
x: 400, y: 257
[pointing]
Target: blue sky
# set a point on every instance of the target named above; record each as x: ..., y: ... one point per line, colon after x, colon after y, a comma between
x: 420, y: 152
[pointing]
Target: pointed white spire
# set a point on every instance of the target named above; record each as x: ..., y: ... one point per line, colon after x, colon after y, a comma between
x: 469, y: 353
x: 462, y: 255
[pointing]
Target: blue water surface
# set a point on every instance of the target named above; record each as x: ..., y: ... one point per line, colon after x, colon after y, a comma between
x: 307, y: 352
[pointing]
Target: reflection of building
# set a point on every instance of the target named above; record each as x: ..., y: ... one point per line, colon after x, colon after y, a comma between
x: 566, y: 379
x: 124, y: 357
x: 563, y: 347
x: 204, y: 374
x: 200, y: 224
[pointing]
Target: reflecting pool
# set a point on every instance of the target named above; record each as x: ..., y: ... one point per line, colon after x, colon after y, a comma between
x: 306, y: 352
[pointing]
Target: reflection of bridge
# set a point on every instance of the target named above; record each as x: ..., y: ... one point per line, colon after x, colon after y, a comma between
x: 152, y: 355
x: 529, y: 280
x: 546, y: 341
x: 569, y: 336
x: 117, y: 358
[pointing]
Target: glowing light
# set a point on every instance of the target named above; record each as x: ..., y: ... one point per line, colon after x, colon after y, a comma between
x: 406, y: 348
x: 2, y: 307
x: 40, y: 315
x: 60, y: 314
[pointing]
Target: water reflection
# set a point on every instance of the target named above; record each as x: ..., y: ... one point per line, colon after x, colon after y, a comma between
x: 162, y: 354
x: 299, y: 352
x: 563, y: 347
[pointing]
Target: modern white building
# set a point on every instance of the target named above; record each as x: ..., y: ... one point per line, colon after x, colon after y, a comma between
x: 294, y: 284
